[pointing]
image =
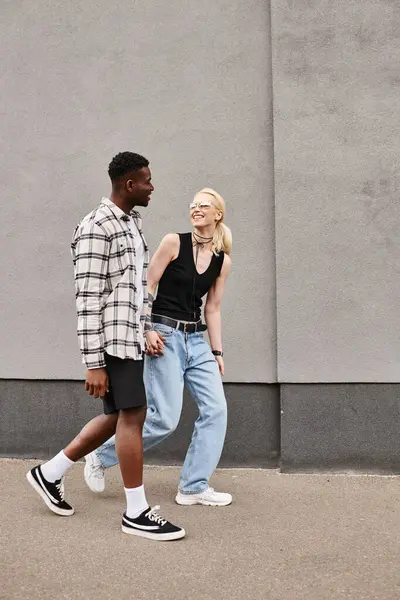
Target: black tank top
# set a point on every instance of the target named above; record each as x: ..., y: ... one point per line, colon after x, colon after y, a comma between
x: 181, y: 287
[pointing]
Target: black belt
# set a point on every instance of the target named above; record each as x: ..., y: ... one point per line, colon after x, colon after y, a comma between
x: 179, y: 325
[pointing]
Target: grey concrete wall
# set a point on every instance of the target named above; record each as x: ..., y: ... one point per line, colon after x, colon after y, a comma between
x: 188, y: 84
x: 342, y: 427
x: 41, y: 417
x: 336, y: 129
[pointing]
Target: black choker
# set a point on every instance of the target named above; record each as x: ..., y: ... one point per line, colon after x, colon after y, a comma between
x: 201, y: 241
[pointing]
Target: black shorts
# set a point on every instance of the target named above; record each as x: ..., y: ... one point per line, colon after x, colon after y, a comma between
x: 126, y: 387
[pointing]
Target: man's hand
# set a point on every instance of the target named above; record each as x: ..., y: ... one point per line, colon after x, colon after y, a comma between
x: 96, y: 383
x: 154, y: 344
x: 220, y: 362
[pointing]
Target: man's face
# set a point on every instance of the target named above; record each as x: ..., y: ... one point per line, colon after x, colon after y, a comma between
x: 139, y: 187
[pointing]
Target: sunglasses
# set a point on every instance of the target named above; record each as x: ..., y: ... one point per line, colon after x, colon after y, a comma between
x: 203, y: 204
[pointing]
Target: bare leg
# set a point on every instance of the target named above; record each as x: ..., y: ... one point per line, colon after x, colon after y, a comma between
x: 46, y: 479
x: 97, y: 431
x: 129, y: 445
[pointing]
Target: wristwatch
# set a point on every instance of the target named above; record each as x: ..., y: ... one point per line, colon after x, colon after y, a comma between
x: 218, y: 353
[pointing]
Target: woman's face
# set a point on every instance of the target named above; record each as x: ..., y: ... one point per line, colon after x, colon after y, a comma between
x: 203, y: 212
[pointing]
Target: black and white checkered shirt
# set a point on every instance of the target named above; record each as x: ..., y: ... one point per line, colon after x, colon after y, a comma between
x: 104, y: 258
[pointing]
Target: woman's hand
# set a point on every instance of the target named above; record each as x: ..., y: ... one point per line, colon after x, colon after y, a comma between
x: 154, y: 344
x: 220, y: 362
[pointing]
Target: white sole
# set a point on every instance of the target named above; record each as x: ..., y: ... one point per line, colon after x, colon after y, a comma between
x: 188, y: 501
x: 86, y: 473
x: 54, y: 509
x: 162, y: 537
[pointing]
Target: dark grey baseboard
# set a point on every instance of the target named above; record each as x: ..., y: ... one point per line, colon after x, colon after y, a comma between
x: 323, y: 427
x: 340, y: 427
x: 38, y: 418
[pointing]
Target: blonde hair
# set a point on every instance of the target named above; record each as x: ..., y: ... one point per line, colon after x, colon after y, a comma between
x: 222, y: 239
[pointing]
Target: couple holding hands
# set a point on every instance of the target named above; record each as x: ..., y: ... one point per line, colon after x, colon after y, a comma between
x: 142, y: 340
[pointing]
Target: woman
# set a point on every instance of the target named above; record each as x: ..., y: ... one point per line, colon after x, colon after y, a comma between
x: 185, y: 267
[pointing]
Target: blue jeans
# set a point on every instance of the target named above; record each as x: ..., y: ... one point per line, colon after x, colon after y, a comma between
x: 187, y: 360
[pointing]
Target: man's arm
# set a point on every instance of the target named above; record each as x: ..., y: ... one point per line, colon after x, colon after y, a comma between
x: 91, y: 250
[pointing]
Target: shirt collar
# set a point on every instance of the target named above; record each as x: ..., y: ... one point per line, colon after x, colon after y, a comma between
x: 118, y: 212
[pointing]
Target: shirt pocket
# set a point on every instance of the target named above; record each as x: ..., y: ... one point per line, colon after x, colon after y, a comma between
x: 120, y: 257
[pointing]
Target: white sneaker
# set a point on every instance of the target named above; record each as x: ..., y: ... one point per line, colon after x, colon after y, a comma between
x: 94, y: 473
x: 207, y: 498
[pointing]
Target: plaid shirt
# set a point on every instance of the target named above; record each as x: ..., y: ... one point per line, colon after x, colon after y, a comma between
x: 104, y: 262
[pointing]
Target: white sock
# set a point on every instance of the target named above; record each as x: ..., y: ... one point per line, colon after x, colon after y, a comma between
x: 55, y: 468
x: 136, y: 501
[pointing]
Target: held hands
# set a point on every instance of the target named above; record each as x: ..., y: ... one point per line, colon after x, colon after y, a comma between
x: 96, y: 383
x: 154, y: 344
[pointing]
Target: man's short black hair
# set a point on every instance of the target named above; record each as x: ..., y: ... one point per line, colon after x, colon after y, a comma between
x: 126, y: 162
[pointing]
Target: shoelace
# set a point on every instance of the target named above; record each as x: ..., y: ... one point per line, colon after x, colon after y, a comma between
x: 152, y: 515
x: 97, y: 471
x: 60, y: 487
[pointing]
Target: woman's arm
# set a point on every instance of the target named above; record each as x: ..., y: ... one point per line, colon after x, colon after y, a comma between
x: 212, y: 310
x: 167, y: 251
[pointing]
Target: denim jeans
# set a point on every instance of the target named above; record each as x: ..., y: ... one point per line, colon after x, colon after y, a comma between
x: 187, y: 361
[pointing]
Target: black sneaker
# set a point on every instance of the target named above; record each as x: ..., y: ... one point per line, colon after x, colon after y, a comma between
x: 52, y: 494
x: 150, y: 525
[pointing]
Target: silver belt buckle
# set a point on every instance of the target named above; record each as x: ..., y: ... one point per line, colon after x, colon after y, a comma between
x: 184, y: 327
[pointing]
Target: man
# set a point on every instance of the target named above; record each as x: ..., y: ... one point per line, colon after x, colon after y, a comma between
x: 111, y: 257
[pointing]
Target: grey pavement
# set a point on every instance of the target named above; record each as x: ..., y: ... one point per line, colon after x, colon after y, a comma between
x: 285, y: 537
